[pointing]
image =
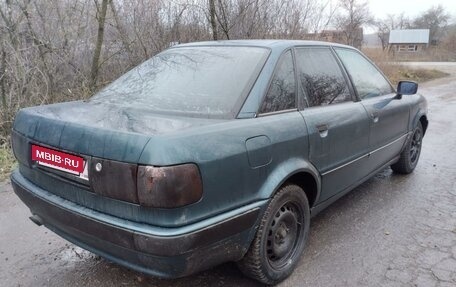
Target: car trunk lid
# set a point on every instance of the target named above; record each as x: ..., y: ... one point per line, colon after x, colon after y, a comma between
x: 100, y: 130
x: 112, y: 136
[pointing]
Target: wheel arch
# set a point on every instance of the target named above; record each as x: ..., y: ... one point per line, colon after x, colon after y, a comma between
x: 420, y: 117
x: 294, y: 171
x: 307, y: 182
x: 419, y: 114
x: 424, y: 123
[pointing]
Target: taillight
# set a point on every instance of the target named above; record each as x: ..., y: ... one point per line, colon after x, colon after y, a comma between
x: 114, y: 179
x: 169, y: 187
x: 149, y: 186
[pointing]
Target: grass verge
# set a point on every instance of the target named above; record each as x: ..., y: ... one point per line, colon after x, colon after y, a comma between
x: 391, y: 67
x: 7, y: 162
x: 397, y: 73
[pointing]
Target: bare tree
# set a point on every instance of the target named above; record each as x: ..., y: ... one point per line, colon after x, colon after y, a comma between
x: 435, y: 19
x: 390, y: 22
x: 353, y: 15
x: 449, y: 42
x: 101, y: 17
x: 61, y: 50
x: 322, y: 15
x: 213, y: 19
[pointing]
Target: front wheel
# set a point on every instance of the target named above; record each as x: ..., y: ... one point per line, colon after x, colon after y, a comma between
x: 280, y: 238
x: 411, y: 153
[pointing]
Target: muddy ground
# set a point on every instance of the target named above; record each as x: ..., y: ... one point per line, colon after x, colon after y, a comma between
x: 391, y: 231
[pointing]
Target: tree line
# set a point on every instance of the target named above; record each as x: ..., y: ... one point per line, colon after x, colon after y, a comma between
x: 60, y: 50
x: 436, y: 19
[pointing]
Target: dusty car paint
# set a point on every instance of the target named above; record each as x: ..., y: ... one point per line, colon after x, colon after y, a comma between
x: 242, y: 162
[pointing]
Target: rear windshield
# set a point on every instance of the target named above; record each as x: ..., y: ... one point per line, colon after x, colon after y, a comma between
x: 200, y: 81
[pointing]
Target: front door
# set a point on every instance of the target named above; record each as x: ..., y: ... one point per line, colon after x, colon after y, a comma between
x: 338, y: 126
x: 389, y: 115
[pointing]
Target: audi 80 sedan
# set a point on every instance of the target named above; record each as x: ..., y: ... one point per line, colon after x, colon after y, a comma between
x: 215, y: 151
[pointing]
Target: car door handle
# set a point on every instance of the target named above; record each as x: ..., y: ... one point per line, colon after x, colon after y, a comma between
x: 323, y: 130
x: 374, y: 117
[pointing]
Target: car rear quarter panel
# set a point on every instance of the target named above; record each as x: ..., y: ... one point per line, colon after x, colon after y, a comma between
x: 220, y: 151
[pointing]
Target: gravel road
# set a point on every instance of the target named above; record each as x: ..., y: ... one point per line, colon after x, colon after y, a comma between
x: 391, y: 231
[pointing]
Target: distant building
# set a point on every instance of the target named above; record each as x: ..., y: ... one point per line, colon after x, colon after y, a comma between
x: 337, y: 36
x: 331, y: 36
x: 408, y: 40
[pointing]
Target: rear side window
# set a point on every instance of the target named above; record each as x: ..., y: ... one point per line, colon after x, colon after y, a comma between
x: 321, y: 77
x: 282, y: 92
x: 368, y: 81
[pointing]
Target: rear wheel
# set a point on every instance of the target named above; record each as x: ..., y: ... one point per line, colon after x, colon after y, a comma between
x: 280, y: 238
x: 411, y: 153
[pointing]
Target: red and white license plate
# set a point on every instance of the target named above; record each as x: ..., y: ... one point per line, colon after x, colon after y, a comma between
x: 58, y: 160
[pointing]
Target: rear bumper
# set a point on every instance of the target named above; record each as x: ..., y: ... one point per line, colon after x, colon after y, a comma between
x: 139, y: 246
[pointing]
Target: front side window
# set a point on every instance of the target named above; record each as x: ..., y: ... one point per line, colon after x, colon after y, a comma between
x: 321, y: 77
x: 282, y: 91
x: 368, y: 81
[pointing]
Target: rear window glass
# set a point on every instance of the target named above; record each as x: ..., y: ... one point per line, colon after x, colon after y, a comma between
x: 198, y: 81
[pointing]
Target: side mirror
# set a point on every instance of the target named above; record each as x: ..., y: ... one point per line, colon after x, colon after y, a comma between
x: 406, y: 88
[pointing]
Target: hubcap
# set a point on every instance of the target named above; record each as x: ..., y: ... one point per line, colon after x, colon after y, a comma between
x: 415, y: 146
x: 283, y: 235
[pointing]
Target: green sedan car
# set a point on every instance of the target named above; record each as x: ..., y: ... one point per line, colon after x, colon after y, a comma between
x: 215, y: 151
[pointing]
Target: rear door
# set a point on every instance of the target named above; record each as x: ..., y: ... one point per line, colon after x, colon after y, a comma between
x: 388, y: 114
x: 337, y: 124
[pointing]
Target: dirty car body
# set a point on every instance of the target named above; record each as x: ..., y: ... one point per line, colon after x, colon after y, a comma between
x: 182, y: 155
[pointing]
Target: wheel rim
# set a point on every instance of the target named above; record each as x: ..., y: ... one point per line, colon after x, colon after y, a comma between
x: 415, y: 146
x: 283, y: 235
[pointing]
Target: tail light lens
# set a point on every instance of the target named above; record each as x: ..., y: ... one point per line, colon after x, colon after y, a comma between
x: 169, y: 187
x: 114, y: 179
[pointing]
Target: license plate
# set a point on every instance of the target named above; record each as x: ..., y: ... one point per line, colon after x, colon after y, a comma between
x: 59, y: 160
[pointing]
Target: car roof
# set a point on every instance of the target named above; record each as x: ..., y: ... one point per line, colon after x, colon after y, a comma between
x: 271, y: 43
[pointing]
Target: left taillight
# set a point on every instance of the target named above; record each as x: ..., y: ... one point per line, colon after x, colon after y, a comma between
x: 114, y: 179
x: 170, y: 186
x: 149, y: 186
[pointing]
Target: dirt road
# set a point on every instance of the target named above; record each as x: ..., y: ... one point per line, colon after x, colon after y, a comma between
x: 391, y: 231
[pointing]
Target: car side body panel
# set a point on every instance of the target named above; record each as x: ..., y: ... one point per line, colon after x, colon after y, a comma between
x: 389, y: 121
x: 338, y: 152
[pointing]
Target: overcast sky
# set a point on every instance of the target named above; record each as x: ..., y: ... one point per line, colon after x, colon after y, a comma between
x: 411, y: 8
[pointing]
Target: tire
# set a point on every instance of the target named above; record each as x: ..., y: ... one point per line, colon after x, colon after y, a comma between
x: 410, y: 155
x: 280, y: 238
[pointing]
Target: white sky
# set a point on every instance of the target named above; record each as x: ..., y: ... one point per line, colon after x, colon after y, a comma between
x: 411, y: 8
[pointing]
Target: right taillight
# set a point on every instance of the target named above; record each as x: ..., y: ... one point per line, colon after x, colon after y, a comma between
x: 169, y: 187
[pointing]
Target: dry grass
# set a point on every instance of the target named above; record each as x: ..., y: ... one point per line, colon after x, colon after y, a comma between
x: 432, y: 54
x: 7, y: 162
x: 396, y: 72
x: 417, y: 75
